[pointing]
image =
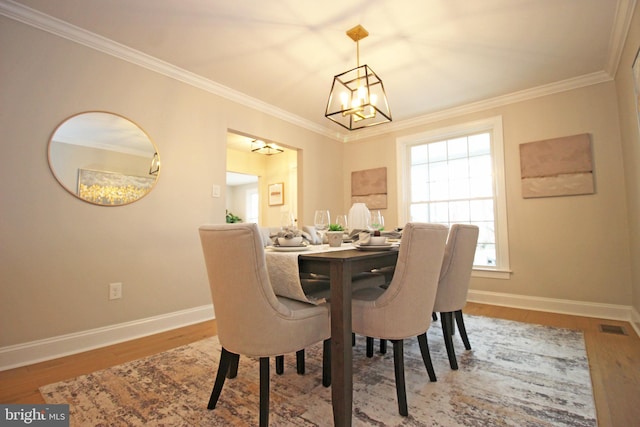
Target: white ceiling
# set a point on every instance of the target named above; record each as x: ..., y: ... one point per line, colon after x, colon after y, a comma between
x: 433, y: 56
x: 105, y: 131
x: 235, y: 179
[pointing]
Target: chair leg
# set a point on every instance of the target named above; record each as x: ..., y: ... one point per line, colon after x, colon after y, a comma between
x: 434, y: 316
x: 401, y: 390
x: 326, y: 362
x: 300, y: 362
x: 264, y: 391
x: 369, y: 347
x: 426, y: 356
x: 233, y: 366
x: 383, y: 346
x: 353, y: 339
x: 462, y: 329
x: 447, y: 326
x: 279, y: 364
x: 223, y: 367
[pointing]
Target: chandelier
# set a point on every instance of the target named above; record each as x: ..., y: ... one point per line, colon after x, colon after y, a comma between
x: 259, y: 146
x: 357, y: 98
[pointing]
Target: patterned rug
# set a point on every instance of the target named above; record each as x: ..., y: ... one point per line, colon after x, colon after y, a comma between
x: 516, y: 375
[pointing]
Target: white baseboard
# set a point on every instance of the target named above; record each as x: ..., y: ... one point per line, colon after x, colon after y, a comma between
x: 576, y: 308
x: 635, y: 321
x: 51, y: 348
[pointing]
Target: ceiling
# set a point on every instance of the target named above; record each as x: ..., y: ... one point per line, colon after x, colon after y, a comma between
x: 434, y: 57
x: 105, y: 131
x: 235, y: 179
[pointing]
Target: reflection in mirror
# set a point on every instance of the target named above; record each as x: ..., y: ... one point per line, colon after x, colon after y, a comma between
x: 103, y: 158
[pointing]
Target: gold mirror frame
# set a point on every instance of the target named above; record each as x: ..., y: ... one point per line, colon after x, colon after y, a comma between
x: 103, y: 158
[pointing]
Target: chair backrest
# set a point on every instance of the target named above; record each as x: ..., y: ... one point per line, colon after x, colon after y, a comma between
x: 456, y: 268
x: 246, y: 308
x: 414, y: 282
x: 265, y: 235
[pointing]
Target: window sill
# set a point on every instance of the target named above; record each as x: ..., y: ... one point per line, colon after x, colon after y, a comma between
x: 491, y: 273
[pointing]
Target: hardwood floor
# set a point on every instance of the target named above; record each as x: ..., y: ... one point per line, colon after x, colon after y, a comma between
x: 614, y: 361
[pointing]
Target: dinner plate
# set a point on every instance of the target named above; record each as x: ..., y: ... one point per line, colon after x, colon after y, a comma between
x: 289, y: 248
x: 374, y: 247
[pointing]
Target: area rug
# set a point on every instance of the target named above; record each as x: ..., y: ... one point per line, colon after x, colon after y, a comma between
x: 515, y: 375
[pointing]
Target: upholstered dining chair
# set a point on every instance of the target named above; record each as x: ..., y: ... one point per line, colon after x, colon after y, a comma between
x: 398, y: 312
x: 251, y: 320
x: 453, y: 285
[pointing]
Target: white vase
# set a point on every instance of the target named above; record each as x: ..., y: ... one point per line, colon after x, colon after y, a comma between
x: 359, y: 217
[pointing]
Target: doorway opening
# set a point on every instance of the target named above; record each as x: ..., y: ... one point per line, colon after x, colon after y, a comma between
x: 250, y: 176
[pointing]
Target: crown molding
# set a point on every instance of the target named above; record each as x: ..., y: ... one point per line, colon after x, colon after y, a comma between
x: 68, y: 31
x: 621, y: 25
x: 499, y: 101
x: 63, y: 29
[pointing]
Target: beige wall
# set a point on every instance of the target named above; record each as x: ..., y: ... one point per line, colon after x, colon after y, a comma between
x: 572, y: 248
x: 630, y: 138
x: 57, y: 253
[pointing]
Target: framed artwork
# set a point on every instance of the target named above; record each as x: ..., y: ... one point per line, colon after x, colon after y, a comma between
x: 276, y: 194
x: 110, y: 188
x: 636, y: 83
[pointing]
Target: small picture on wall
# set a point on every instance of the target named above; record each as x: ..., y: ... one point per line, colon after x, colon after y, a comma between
x: 276, y: 194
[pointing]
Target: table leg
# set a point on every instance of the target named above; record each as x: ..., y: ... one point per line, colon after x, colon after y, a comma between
x: 341, y: 351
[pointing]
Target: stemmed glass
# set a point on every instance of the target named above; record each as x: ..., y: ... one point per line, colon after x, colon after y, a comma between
x: 321, y: 221
x: 341, y: 220
x: 287, y: 221
x: 377, y: 221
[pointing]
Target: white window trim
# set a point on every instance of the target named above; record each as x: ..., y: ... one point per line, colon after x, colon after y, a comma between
x: 492, y: 124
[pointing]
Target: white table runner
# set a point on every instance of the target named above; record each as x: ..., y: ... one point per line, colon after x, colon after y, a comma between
x: 285, y: 275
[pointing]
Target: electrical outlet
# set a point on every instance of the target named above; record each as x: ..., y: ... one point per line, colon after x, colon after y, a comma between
x: 115, y: 291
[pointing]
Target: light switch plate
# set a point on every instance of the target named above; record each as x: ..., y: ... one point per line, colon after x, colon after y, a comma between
x: 215, y: 191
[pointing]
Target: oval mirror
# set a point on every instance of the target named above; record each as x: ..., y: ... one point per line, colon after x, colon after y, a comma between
x: 103, y: 158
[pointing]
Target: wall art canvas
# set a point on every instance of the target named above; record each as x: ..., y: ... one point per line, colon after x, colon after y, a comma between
x: 370, y: 187
x: 112, y: 188
x: 557, y: 167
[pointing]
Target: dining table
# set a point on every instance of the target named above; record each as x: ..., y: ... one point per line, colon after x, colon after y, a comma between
x: 340, y: 266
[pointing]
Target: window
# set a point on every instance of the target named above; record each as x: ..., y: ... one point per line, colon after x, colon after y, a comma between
x: 253, y: 205
x: 456, y: 175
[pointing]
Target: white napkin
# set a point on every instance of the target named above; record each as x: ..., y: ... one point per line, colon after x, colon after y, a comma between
x: 364, y: 238
x: 314, y: 238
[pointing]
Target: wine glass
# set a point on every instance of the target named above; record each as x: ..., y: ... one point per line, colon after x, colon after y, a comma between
x: 341, y: 220
x: 377, y: 221
x: 321, y: 221
x: 287, y: 221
